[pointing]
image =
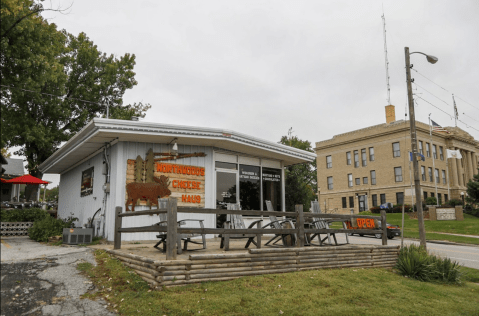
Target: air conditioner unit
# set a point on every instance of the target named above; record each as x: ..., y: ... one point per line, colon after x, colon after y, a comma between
x: 75, y: 236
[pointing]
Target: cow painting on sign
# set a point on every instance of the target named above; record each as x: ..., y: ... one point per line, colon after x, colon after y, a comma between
x: 149, y: 191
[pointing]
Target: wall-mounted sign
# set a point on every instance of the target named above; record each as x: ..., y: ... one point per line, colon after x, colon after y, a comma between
x: 186, y: 183
x: 86, y: 182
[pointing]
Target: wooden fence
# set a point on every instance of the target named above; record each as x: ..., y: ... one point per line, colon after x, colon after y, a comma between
x: 223, y: 267
x: 172, y: 228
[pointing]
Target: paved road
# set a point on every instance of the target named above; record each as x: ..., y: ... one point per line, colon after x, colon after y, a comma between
x: 43, y: 280
x: 467, y: 256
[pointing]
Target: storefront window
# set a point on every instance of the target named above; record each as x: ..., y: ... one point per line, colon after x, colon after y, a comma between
x: 272, y: 188
x: 225, y: 188
x: 249, y: 177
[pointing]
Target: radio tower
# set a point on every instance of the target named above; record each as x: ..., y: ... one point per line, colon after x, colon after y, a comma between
x: 390, y: 110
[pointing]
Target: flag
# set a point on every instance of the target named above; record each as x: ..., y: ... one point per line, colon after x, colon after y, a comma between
x: 454, y: 154
x: 419, y: 157
x: 438, y: 128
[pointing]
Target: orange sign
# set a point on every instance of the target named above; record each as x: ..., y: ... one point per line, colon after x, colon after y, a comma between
x: 362, y: 223
x: 179, y: 169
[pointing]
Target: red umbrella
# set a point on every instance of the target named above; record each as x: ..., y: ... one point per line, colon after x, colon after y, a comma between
x: 3, y: 180
x: 26, y: 179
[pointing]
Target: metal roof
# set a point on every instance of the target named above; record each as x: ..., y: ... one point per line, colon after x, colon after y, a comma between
x: 99, y: 131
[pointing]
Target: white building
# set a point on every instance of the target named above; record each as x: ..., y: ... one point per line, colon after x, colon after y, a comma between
x: 220, y: 166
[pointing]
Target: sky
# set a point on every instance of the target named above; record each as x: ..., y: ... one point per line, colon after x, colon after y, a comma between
x: 262, y: 67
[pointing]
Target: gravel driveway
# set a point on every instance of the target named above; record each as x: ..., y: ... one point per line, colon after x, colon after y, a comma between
x: 43, y: 280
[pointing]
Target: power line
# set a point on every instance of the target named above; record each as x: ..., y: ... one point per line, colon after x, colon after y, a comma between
x: 52, y: 95
x: 467, y: 125
x: 469, y: 117
x: 444, y: 88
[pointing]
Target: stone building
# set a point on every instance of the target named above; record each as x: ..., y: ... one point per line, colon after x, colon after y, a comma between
x: 370, y: 166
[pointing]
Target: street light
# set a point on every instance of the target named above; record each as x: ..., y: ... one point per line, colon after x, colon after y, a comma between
x: 412, y: 123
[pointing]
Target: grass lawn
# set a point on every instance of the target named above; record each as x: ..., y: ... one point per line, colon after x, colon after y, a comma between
x: 319, y: 292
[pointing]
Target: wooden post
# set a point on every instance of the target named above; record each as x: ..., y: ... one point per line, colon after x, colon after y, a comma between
x: 299, y: 225
x: 117, y: 236
x: 384, y: 227
x: 258, y: 236
x: 171, y: 217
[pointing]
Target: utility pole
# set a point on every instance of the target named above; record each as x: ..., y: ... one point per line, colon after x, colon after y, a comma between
x: 412, y: 123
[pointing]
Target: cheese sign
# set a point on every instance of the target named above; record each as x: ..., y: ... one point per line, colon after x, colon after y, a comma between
x: 187, y: 183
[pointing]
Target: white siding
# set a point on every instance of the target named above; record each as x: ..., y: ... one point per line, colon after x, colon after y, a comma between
x: 69, y: 199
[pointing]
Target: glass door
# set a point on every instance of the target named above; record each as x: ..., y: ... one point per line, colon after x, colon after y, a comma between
x: 226, y: 192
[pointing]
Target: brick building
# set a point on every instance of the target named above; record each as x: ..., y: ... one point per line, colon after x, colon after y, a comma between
x: 370, y: 166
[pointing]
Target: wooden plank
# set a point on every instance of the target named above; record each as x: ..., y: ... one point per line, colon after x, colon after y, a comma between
x: 184, y: 282
x: 132, y: 256
x: 152, y: 283
x: 117, y: 236
x: 190, y: 230
x: 136, y: 262
x: 245, y: 273
x: 140, y: 268
x: 336, y: 216
x: 171, y: 240
x: 329, y: 260
x: 196, y: 210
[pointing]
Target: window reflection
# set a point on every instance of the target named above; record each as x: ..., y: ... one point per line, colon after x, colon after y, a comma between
x: 272, y: 188
x: 249, y: 187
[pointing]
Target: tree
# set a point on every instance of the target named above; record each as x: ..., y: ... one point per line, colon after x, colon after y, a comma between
x: 300, y: 180
x: 473, y: 190
x: 54, y: 83
x: 5, y: 153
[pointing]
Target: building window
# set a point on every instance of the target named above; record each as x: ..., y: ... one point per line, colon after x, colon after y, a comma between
x: 364, y: 157
x: 272, y: 187
x: 430, y: 174
x: 436, y: 174
x: 396, y: 150
x: 398, y: 174
x: 445, y: 198
x: 428, y: 150
x: 371, y: 153
x: 444, y: 176
x: 250, y: 188
x: 425, y: 196
x: 373, y: 177
x: 351, y: 201
x: 350, y: 180
x: 432, y: 194
x: 348, y: 158
x: 345, y: 205
x: 383, y: 198
x: 400, y: 198
x: 423, y: 173
x: 421, y: 150
x: 365, y: 180
x: 434, y: 151
x: 374, y: 197
x: 356, y: 159
x: 441, y: 153
x: 439, y: 198
x: 330, y: 183
x: 358, y: 181
x: 329, y: 162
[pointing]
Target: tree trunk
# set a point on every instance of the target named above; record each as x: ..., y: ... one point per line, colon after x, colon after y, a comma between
x: 32, y: 189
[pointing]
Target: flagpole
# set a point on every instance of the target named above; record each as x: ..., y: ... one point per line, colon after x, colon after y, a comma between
x: 433, y: 160
x: 455, y: 110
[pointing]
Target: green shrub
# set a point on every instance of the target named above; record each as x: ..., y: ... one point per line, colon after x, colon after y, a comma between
x: 413, y: 262
x: 454, y: 202
x: 49, y: 227
x: 23, y: 215
x: 431, y: 200
x: 416, y: 263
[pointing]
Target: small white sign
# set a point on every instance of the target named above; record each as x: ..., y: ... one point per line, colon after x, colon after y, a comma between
x: 446, y: 214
